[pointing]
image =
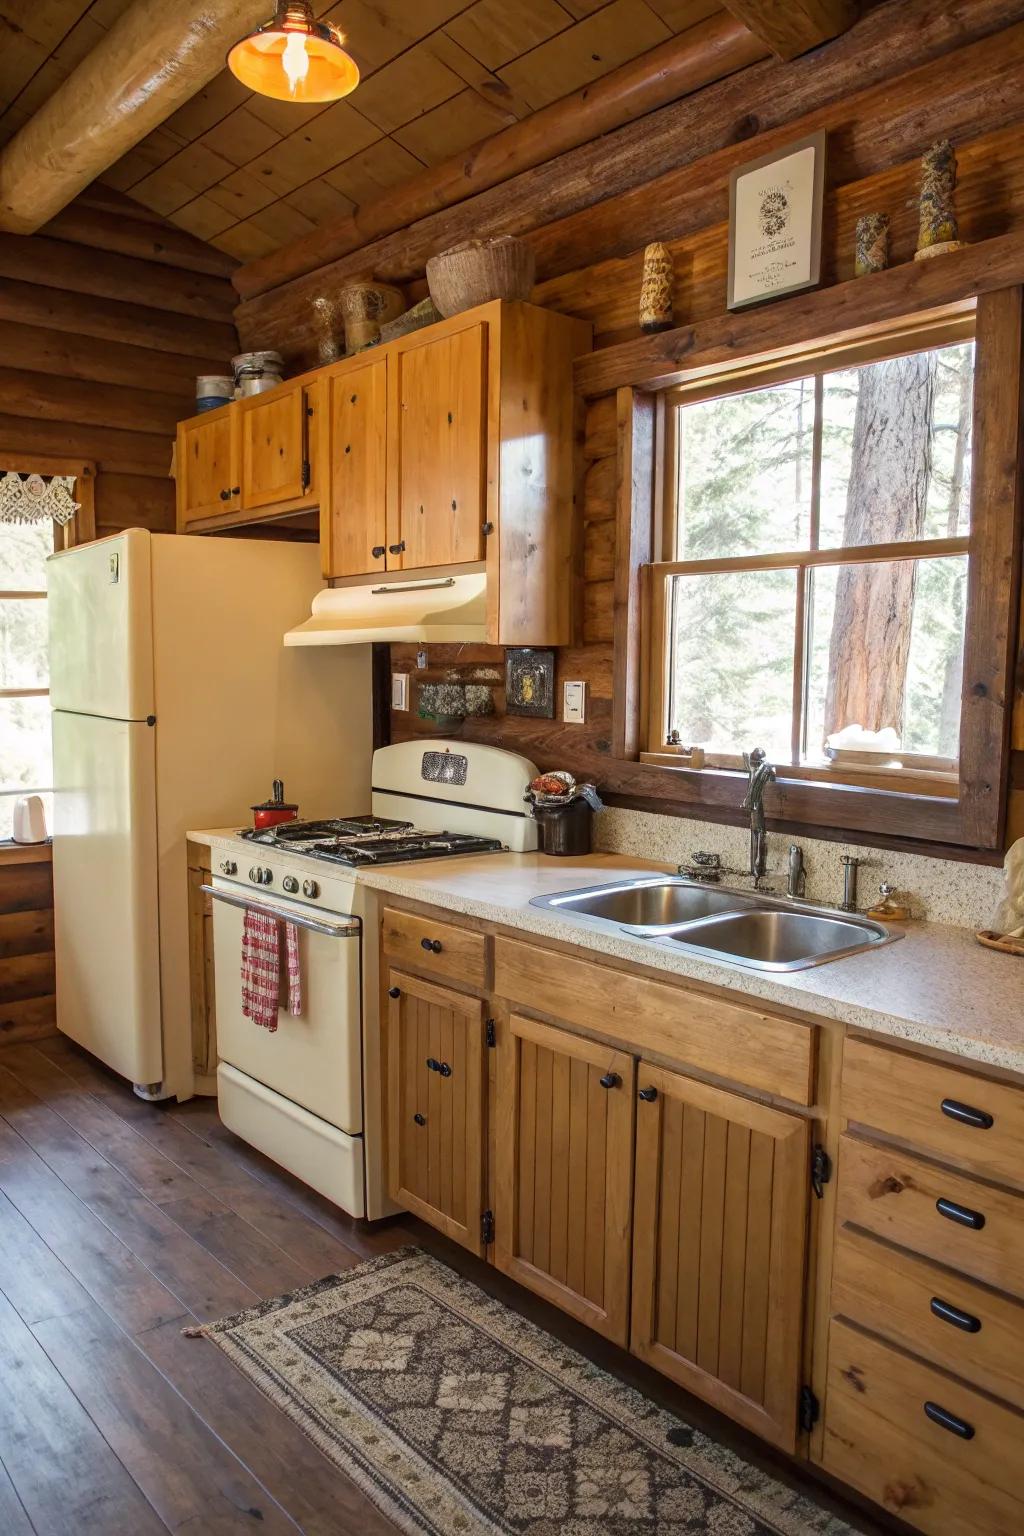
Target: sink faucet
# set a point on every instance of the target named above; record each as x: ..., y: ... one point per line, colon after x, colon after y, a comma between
x: 760, y: 774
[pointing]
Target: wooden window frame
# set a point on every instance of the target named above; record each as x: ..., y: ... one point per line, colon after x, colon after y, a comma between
x: 975, y: 817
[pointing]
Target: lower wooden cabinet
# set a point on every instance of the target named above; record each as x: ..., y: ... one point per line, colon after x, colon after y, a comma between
x: 435, y: 1078
x: 564, y: 1165
x: 719, y: 1248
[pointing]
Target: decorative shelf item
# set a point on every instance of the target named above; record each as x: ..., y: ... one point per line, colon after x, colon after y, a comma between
x: 872, y: 244
x: 37, y: 498
x: 937, y: 228
x: 775, y: 217
x: 530, y: 682
x: 656, y: 289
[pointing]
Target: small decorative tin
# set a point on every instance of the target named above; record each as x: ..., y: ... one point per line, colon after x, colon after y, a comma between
x: 530, y: 682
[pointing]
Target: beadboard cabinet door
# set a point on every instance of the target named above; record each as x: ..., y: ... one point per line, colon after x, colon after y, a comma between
x: 207, y: 466
x: 435, y: 1073
x: 564, y: 1158
x: 439, y: 400
x: 353, y: 528
x: 719, y: 1248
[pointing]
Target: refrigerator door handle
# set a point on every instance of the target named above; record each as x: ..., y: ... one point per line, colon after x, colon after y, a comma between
x: 344, y: 930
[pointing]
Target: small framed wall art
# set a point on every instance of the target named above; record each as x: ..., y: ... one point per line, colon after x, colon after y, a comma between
x: 775, y: 214
x: 530, y: 682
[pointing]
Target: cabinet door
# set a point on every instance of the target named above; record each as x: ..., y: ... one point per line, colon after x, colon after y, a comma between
x: 353, y: 518
x: 436, y: 1106
x: 207, y: 466
x: 720, y: 1233
x: 275, y: 447
x: 564, y: 1151
x: 440, y: 421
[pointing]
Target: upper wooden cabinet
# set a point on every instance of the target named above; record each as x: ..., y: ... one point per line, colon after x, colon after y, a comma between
x: 451, y: 447
x: 439, y: 399
x: 207, y: 465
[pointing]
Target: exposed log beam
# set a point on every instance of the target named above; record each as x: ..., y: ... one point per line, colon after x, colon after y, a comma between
x: 703, y: 53
x: 154, y: 58
x: 672, y: 141
x: 791, y: 27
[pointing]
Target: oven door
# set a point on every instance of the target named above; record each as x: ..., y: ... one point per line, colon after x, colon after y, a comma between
x: 315, y: 1060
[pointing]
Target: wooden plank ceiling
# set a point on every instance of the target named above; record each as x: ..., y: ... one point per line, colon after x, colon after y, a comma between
x: 249, y: 174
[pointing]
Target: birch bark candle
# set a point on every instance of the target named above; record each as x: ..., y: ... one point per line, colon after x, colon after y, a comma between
x: 656, y: 289
x: 872, y: 244
x: 937, y: 229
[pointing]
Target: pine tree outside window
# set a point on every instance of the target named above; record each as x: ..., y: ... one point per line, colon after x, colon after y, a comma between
x: 813, y: 595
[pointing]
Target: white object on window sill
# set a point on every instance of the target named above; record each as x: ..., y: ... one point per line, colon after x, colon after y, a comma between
x: 29, y: 820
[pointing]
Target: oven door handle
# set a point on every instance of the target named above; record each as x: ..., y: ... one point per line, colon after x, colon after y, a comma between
x: 343, y: 930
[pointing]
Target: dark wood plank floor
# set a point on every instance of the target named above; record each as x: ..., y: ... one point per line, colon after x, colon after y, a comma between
x: 120, y: 1224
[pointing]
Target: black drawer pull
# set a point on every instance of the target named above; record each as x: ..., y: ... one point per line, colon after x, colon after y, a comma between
x: 394, y: 991
x: 648, y: 1095
x: 947, y: 1313
x: 610, y: 1080
x: 377, y: 551
x: 947, y: 1420
x: 961, y: 1214
x: 420, y: 1119
x: 434, y: 945
x: 225, y: 495
x: 397, y: 549
x: 433, y: 1065
x: 980, y: 1119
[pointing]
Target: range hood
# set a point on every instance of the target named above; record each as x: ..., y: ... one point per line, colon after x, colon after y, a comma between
x: 444, y: 609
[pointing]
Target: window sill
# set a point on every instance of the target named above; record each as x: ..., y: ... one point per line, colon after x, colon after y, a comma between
x: 25, y: 853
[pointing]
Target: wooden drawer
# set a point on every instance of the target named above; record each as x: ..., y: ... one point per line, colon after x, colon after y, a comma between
x: 716, y: 1036
x: 955, y: 1323
x: 898, y: 1195
x: 435, y: 948
x: 879, y: 1438
x: 939, y: 1109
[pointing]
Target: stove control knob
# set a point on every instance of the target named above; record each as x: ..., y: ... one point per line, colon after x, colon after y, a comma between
x: 290, y: 884
x: 228, y: 867
x: 253, y: 876
x: 266, y: 876
x: 310, y: 889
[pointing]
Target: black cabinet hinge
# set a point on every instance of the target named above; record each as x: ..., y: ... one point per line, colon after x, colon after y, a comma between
x: 305, y: 474
x: 821, y: 1171
x: 809, y: 1411
x: 490, y: 1033
x: 487, y: 1228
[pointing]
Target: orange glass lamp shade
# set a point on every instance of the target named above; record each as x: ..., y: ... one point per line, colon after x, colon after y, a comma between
x: 295, y: 57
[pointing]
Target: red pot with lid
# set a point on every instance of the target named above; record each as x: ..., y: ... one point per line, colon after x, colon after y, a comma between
x: 272, y: 812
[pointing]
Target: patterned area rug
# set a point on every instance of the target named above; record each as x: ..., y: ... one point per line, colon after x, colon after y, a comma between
x: 457, y: 1416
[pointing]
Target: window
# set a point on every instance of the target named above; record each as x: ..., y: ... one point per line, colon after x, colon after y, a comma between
x: 814, y: 597
x: 25, y: 763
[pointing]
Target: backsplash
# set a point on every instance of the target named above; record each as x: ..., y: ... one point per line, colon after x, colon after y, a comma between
x: 941, y: 890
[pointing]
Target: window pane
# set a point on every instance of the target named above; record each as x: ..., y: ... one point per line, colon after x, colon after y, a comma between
x: 23, y: 643
x: 25, y: 760
x: 745, y: 472
x: 7, y: 814
x: 24, y: 548
x: 886, y: 651
x: 732, y: 661
x: 896, y: 449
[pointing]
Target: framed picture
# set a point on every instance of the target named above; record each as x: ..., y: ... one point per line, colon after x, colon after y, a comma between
x: 775, y: 211
x: 530, y: 682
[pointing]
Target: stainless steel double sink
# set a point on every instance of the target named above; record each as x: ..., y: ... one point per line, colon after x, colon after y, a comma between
x: 761, y: 932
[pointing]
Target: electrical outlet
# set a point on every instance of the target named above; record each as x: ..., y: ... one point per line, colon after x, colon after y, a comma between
x: 574, y: 707
x: 399, y: 690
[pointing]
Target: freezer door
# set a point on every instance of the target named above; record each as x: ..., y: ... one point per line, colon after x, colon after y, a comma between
x: 101, y: 627
x: 105, y: 891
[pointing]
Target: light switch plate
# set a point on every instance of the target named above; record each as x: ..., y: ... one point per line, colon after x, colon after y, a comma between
x: 399, y: 690
x: 574, y: 703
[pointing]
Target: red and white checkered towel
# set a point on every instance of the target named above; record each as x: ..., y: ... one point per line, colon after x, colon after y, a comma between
x: 261, y: 968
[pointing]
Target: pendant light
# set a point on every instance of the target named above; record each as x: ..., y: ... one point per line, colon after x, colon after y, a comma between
x: 295, y: 57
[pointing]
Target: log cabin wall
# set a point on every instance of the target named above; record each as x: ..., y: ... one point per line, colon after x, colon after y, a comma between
x: 904, y: 77
x: 106, y: 317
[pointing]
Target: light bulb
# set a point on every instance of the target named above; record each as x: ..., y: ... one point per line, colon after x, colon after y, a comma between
x: 295, y: 60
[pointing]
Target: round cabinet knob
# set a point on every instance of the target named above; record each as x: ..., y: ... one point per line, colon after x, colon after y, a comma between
x: 420, y: 1119
x: 225, y: 495
x: 394, y: 991
x: 610, y: 1080
x: 377, y: 551
x: 310, y: 889
x: 228, y: 867
x: 290, y: 884
x: 648, y: 1095
x: 433, y: 945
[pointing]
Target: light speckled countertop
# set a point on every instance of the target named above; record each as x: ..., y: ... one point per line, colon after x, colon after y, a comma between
x: 936, y: 987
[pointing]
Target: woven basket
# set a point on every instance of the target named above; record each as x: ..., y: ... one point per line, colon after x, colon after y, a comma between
x: 480, y: 270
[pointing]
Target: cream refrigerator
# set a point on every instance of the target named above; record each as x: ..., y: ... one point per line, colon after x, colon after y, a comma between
x: 175, y: 704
